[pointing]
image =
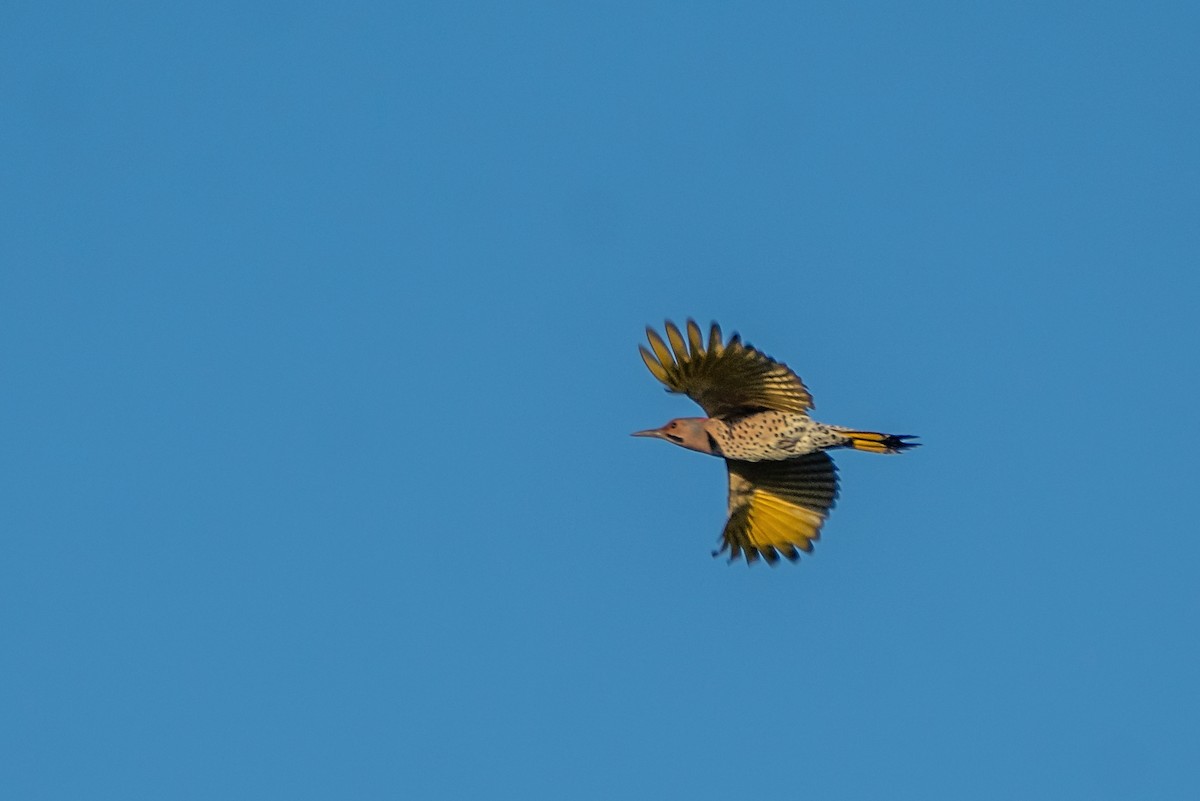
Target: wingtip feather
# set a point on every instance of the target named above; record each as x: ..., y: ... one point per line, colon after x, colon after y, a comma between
x: 677, y: 343
x: 695, y: 339
x: 660, y: 347
x: 715, y: 345
x: 656, y: 369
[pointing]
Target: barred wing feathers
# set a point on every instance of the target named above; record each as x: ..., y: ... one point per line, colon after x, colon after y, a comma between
x: 725, y: 378
x: 777, y: 508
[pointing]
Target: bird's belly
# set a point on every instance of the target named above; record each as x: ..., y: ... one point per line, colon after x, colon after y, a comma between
x: 781, y: 449
x: 759, y: 440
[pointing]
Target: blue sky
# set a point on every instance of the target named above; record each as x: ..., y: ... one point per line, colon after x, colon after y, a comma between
x: 319, y: 339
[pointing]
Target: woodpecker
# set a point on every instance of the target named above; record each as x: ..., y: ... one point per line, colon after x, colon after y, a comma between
x: 782, y: 483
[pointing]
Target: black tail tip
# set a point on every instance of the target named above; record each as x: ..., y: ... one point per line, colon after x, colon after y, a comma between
x: 897, y: 443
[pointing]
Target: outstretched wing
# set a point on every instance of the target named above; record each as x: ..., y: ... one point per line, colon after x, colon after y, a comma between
x: 724, y: 378
x: 778, y: 507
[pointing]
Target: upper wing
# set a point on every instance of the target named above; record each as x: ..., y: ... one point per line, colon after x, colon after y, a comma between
x: 777, y: 507
x: 723, y: 378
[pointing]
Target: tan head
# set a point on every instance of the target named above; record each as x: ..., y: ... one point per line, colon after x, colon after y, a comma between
x: 686, y: 432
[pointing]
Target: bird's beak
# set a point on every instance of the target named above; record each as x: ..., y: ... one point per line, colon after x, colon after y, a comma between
x: 650, y: 432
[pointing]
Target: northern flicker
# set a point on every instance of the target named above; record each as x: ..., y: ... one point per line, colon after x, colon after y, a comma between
x: 782, y: 483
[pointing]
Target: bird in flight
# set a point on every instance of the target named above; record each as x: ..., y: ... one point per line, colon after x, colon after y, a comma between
x: 782, y: 483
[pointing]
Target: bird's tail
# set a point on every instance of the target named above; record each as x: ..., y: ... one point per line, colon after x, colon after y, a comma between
x: 875, y: 442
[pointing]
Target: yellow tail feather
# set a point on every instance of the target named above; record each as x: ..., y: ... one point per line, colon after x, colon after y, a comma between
x: 875, y: 442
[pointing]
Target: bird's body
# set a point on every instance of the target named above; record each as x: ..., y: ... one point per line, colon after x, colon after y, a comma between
x: 771, y: 436
x: 782, y: 484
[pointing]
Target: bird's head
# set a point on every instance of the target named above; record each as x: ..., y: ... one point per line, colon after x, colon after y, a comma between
x: 686, y: 432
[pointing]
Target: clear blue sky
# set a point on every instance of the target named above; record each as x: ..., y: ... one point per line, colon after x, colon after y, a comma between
x: 319, y: 348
